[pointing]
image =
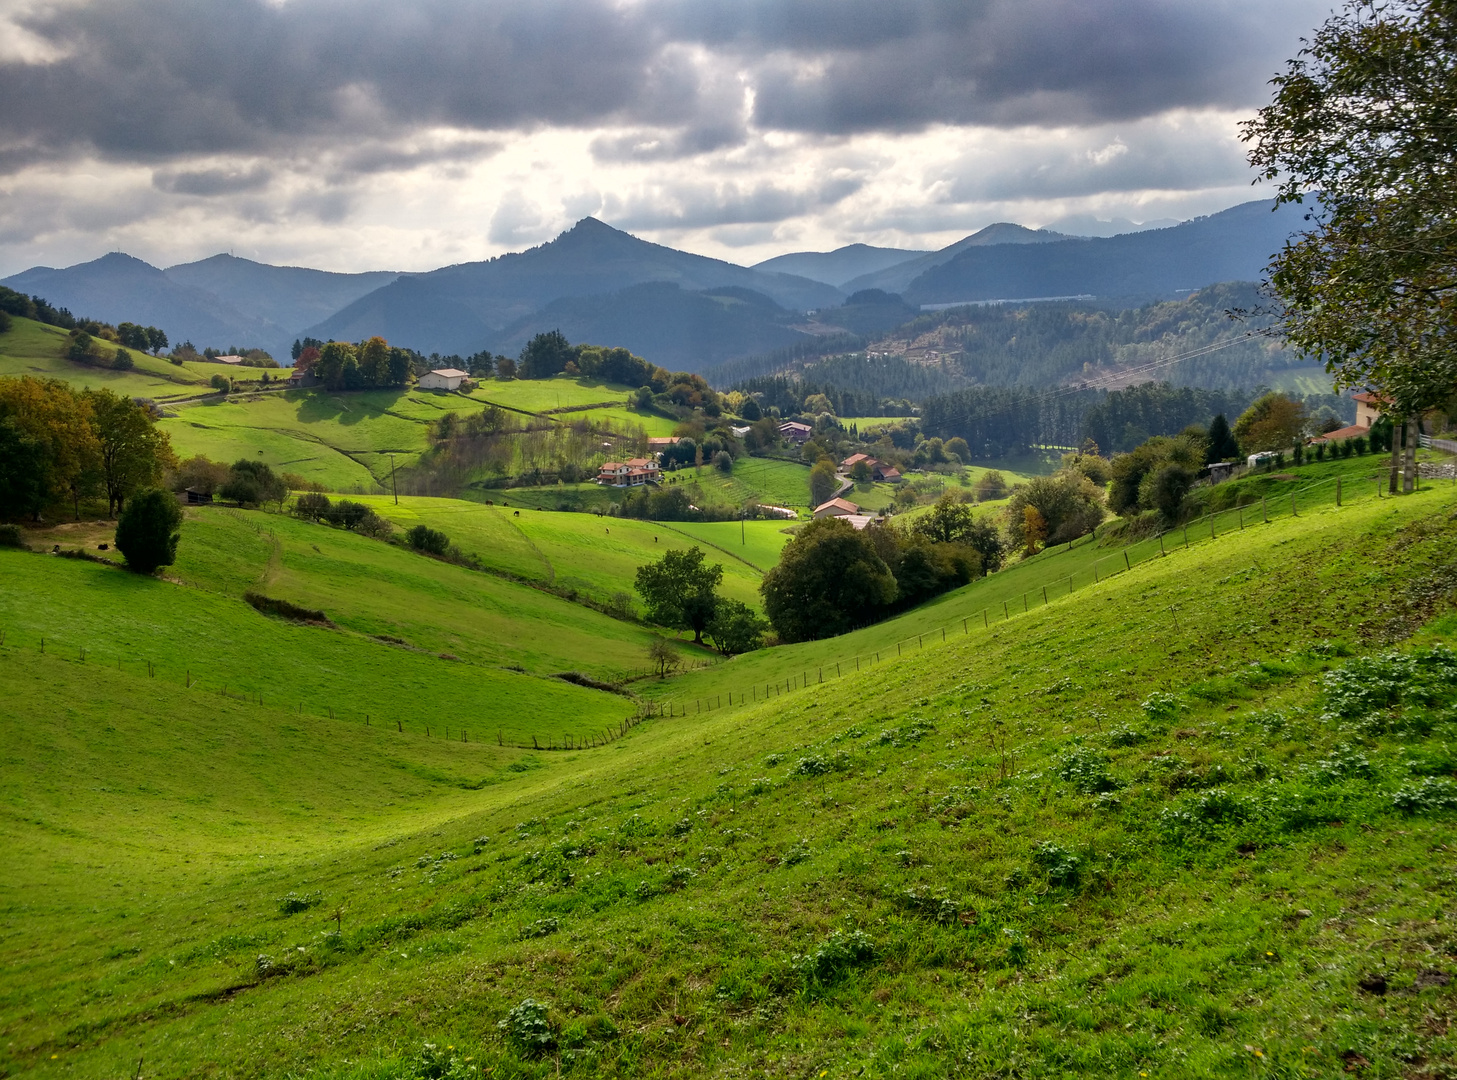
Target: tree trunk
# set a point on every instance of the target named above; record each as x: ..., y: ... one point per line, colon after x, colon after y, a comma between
x: 1398, y: 434
x: 1409, y: 472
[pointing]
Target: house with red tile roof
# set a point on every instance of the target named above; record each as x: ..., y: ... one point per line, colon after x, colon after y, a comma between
x: 633, y: 472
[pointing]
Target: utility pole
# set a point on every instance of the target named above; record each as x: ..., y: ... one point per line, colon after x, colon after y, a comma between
x: 393, y: 485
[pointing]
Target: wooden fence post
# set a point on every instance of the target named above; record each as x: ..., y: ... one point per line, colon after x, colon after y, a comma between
x: 1126, y: 564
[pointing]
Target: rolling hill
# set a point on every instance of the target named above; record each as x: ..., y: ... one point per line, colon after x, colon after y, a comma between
x: 678, y: 330
x: 896, y: 277
x: 1187, y: 821
x: 839, y: 266
x: 458, y: 309
x: 118, y: 288
x: 1232, y: 245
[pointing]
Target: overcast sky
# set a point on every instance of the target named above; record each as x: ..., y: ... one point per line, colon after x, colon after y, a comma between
x: 408, y: 134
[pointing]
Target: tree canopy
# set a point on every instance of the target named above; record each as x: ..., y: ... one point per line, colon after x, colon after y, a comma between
x: 1364, y: 125
x: 678, y: 591
x: 829, y: 580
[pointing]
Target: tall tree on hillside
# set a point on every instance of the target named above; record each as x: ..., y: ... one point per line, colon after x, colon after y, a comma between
x: 148, y: 531
x: 678, y: 591
x: 1222, y: 444
x: 545, y: 355
x: 133, y: 452
x: 374, y: 362
x: 829, y: 579
x: 336, y: 365
x: 1364, y: 121
x: 48, y: 413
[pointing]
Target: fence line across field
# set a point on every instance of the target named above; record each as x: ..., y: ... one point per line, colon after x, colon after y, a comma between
x: 1335, y: 488
x: 1333, y: 491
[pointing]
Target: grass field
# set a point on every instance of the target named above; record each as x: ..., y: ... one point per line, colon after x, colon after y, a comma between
x: 595, y: 556
x: 1104, y: 839
x: 33, y: 348
x: 201, y: 625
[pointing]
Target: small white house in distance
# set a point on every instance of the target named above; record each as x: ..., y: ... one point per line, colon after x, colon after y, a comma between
x: 443, y: 379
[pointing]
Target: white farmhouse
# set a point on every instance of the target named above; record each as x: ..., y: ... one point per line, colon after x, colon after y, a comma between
x: 443, y: 379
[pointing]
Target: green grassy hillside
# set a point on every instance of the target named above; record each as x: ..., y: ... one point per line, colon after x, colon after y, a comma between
x: 595, y: 556
x: 425, y: 644
x: 33, y: 348
x: 1189, y: 821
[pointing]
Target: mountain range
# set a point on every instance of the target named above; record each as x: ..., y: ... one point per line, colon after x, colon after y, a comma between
x: 601, y: 285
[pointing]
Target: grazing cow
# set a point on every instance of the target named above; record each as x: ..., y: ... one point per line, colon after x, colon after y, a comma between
x: 515, y: 513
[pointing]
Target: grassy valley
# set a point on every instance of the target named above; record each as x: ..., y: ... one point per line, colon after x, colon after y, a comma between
x: 1171, y: 823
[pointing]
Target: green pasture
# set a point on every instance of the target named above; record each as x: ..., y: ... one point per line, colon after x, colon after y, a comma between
x: 596, y: 556
x: 759, y: 543
x: 33, y: 348
x: 1157, y: 827
x: 1057, y: 575
x: 458, y: 631
x: 540, y: 395
x: 621, y: 418
x: 343, y: 441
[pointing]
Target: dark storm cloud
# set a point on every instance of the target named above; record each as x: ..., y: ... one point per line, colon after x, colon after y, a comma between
x: 211, y: 181
x: 154, y: 80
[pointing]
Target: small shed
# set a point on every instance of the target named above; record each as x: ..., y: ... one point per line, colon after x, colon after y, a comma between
x: 198, y: 498
x: 443, y: 379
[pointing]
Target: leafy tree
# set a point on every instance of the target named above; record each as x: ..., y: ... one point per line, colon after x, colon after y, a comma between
x: 546, y: 355
x: 750, y: 410
x: 829, y: 579
x: 133, y: 452
x: 221, y: 383
x: 723, y: 461
x: 1034, y: 531
x: 957, y: 445
x: 951, y: 522
x: 505, y: 367
x: 200, y: 473
x: 642, y: 398
x: 1273, y: 422
x: 55, y: 417
x: 149, y: 529
x: 1166, y: 489
x: 1362, y: 121
x: 312, y: 505
x: 1222, y: 444
x: 1131, y: 490
x: 860, y: 472
x: 156, y: 340
x: 735, y: 628
x: 253, y: 483
x: 24, y: 471
x: 374, y: 362
x: 123, y: 361
x: 663, y: 656
x: 678, y: 591
x: 1067, y: 502
x: 991, y: 485
x: 424, y: 538
x: 335, y: 364
x: 822, y: 482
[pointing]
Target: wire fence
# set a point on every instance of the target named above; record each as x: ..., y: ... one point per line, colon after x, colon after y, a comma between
x: 1250, y: 512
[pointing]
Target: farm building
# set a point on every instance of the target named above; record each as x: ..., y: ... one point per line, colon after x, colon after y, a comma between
x: 657, y: 445
x: 836, y: 508
x: 795, y: 432
x: 886, y: 474
x: 229, y: 359
x: 443, y: 379
x: 631, y: 473
x: 302, y: 377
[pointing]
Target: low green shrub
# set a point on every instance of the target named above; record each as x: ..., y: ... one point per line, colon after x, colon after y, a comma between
x: 833, y: 959
x: 528, y: 1028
